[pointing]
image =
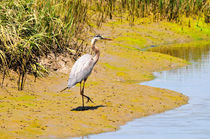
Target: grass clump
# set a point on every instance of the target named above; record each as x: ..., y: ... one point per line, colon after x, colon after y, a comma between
x: 30, y: 29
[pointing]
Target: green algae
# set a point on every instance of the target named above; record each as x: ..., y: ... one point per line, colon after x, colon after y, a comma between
x: 23, y: 98
x: 196, y: 29
x: 135, y: 40
x: 113, y: 67
x: 149, y: 76
x: 144, y: 35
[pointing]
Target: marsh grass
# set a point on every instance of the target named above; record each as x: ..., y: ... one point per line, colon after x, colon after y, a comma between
x: 160, y: 9
x: 31, y: 29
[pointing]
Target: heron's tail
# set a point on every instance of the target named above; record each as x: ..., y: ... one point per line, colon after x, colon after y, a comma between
x: 64, y: 89
x: 71, y: 82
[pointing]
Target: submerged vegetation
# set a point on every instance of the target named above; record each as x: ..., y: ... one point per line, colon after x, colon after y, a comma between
x: 31, y: 29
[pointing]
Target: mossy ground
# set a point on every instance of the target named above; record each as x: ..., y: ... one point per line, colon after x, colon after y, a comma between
x: 40, y: 111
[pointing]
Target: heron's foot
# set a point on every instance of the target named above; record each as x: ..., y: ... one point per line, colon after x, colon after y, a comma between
x: 88, y: 99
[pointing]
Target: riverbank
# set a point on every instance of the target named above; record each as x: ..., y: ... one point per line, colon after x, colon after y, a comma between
x: 39, y: 111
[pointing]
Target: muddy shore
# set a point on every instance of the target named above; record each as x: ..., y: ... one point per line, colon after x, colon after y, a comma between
x: 39, y: 111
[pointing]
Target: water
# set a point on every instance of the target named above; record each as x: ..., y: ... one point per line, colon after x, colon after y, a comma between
x: 191, y: 121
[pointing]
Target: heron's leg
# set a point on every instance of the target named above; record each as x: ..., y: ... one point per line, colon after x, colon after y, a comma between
x: 88, y: 98
x: 81, y: 94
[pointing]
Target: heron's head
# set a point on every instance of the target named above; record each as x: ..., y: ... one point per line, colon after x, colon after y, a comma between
x: 99, y: 37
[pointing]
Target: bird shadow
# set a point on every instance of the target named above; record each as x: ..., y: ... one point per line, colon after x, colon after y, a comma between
x: 85, y: 108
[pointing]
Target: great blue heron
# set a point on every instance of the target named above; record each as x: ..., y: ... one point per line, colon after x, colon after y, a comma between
x: 83, y: 67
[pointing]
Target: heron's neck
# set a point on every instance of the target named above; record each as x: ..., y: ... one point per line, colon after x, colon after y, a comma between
x: 96, y: 50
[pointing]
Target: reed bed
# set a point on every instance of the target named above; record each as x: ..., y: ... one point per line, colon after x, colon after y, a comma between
x: 31, y: 29
x: 159, y: 9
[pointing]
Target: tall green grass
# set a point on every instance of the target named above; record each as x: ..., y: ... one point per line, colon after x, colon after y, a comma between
x: 31, y: 29
x: 160, y: 9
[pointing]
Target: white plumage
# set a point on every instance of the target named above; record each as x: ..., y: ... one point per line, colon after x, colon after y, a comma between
x: 81, y: 70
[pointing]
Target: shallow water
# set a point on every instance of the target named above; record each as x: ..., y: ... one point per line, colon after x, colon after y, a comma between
x: 191, y: 121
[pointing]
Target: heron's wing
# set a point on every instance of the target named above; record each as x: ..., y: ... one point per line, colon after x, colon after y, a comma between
x: 81, y: 70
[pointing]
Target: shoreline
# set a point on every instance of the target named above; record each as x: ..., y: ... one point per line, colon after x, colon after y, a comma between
x: 39, y: 111
x: 50, y: 114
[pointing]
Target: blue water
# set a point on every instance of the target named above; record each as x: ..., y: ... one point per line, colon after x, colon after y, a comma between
x: 190, y: 121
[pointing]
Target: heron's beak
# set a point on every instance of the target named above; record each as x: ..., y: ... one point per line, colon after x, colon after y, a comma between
x: 107, y: 39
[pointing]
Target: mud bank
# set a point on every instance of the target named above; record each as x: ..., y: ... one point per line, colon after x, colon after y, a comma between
x: 39, y: 111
